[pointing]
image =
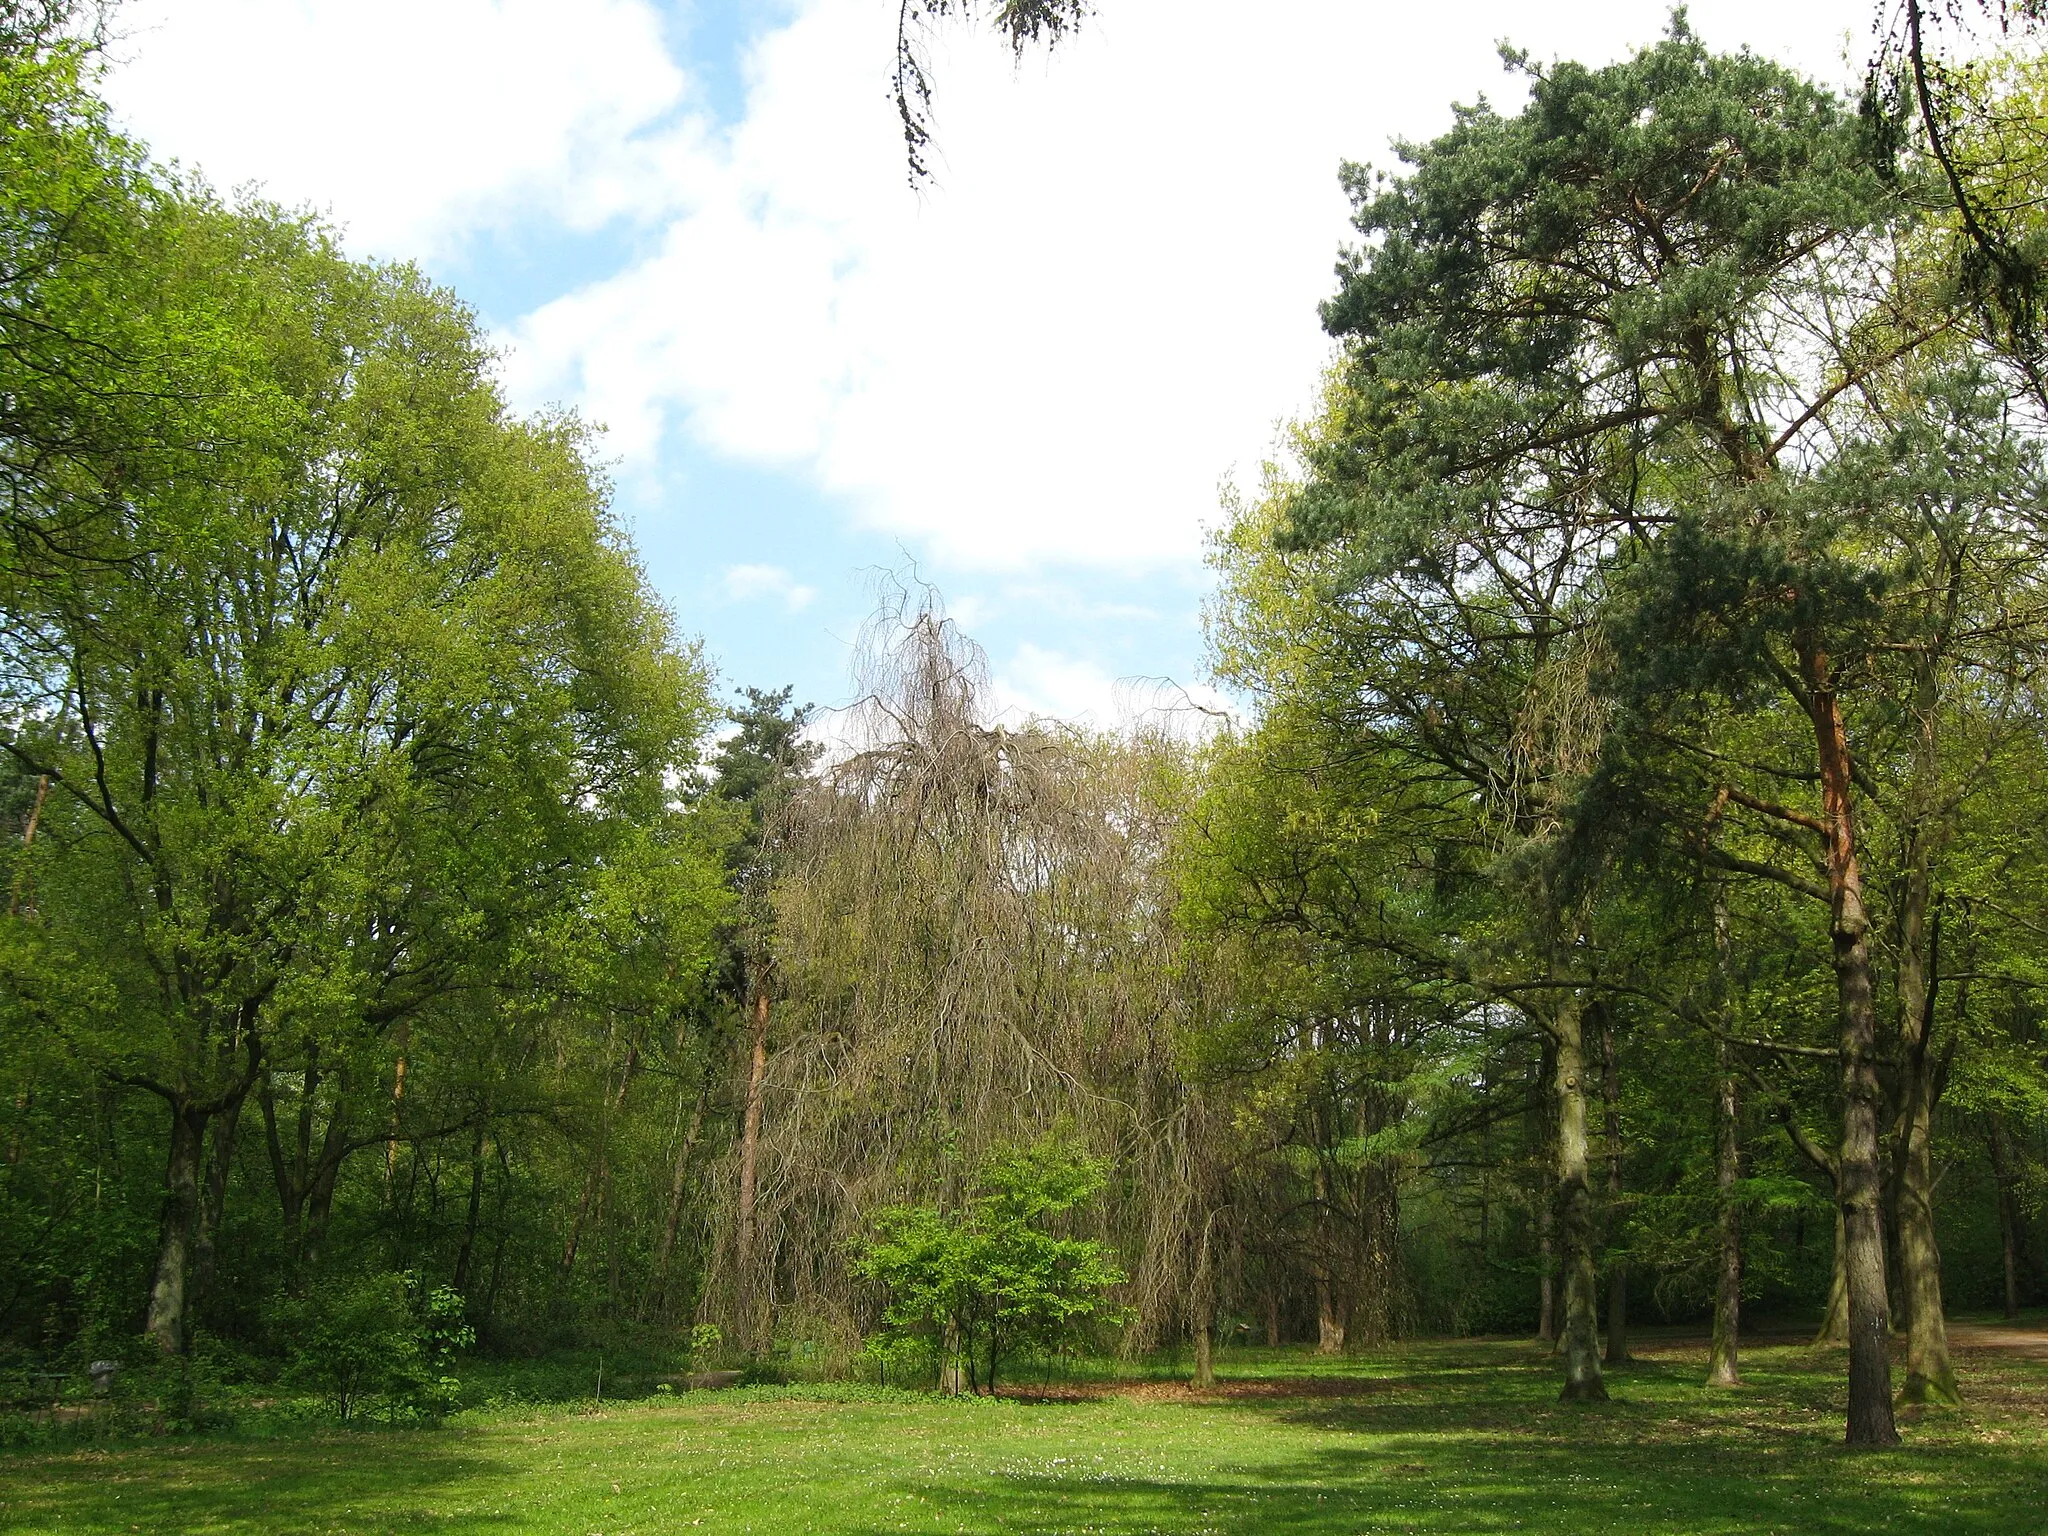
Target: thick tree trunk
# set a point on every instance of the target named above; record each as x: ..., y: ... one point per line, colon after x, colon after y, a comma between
x: 1329, y: 1320
x: 953, y: 1379
x: 2007, y: 1182
x: 165, y: 1323
x: 1379, y: 1270
x: 1582, y: 1379
x: 1722, y: 1368
x: 213, y: 1201
x: 1329, y: 1326
x: 1272, y: 1315
x: 1617, y: 1261
x: 1861, y: 1187
x: 1834, y: 1318
x: 1930, y: 1374
x: 1202, y: 1307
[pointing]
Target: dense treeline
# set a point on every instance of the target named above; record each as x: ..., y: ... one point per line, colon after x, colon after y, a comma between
x: 1619, y: 897
x: 358, y: 869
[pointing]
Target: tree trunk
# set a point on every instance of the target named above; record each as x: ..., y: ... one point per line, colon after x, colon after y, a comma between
x: 1617, y: 1262
x: 1834, y: 1319
x: 1861, y: 1187
x: 167, y: 1294
x: 1202, y: 1307
x: 1574, y: 1198
x: 1329, y: 1322
x: 404, y: 1044
x: 1329, y: 1326
x: 1272, y: 1315
x: 213, y: 1201
x: 1722, y: 1369
x: 2007, y: 1181
x: 476, y: 1203
x: 1546, y: 1212
x: 1379, y: 1270
x: 1930, y: 1374
x: 750, y: 1147
x: 289, y: 1197
x: 952, y: 1378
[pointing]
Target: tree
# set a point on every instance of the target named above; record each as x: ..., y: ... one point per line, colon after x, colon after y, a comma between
x: 980, y: 1281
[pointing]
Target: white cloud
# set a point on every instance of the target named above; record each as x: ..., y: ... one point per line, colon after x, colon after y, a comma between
x: 418, y: 122
x: 1040, y: 682
x: 744, y: 583
x: 1052, y: 357
x: 1036, y: 682
x: 1106, y: 304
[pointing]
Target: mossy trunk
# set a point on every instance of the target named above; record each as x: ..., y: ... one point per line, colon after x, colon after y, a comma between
x: 1860, y: 1190
x: 165, y: 1320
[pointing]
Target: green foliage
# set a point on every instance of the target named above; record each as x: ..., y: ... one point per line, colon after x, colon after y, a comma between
x: 380, y: 1343
x: 979, y: 1281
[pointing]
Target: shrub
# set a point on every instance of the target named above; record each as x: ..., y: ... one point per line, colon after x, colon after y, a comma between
x: 380, y: 1342
x: 976, y: 1283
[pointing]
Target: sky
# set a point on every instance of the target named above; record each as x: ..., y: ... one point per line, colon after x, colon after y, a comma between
x: 1028, y: 382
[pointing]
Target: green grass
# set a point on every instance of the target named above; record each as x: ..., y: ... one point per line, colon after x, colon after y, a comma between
x: 1430, y: 1438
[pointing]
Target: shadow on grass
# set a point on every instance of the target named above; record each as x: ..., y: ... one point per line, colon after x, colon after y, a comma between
x: 1428, y: 1440
x: 1416, y: 1478
x: 1479, y: 1445
x: 1490, y: 1490
x: 337, y: 1481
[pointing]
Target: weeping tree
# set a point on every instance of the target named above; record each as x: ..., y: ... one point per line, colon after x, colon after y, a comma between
x: 973, y: 949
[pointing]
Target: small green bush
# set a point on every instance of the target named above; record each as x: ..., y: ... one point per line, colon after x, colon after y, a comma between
x: 977, y: 1283
x: 380, y: 1343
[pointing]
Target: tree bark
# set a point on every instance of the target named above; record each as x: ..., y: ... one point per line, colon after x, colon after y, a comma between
x: 1546, y: 1245
x: 1574, y: 1198
x: 1834, y: 1318
x: 2007, y: 1181
x: 1202, y: 1307
x: 1930, y: 1374
x: 1329, y: 1321
x: 404, y: 1045
x: 213, y: 1201
x: 1861, y: 1187
x: 1272, y: 1314
x: 1617, y: 1261
x: 165, y: 1322
x: 1722, y: 1351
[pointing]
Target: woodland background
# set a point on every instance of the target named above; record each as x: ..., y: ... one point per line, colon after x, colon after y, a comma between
x: 1619, y: 897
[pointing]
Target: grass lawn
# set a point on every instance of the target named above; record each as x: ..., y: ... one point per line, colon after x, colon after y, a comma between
x: 1460, y: 1437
